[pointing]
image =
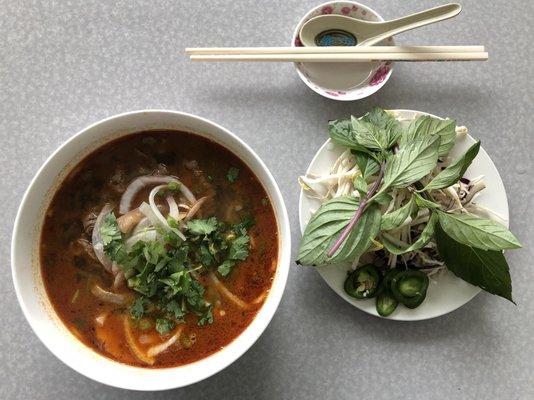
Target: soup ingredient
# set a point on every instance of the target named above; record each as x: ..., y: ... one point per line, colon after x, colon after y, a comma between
x: 141, y: 182
x: 163, y: 270
x: 396, y: 199
x: 363, y: 282
x: 150, y: 290
x: 233, y: 174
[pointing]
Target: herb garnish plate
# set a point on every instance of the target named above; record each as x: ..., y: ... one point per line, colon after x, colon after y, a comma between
x: 446, y: 292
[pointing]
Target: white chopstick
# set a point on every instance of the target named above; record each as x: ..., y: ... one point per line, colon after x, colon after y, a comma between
x: 333, y: 50
x: 342, y: 57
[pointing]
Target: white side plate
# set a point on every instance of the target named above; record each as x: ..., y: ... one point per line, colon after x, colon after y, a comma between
x: 447, y: 292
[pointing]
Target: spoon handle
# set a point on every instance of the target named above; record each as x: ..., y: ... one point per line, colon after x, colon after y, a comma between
x: 413, y: 21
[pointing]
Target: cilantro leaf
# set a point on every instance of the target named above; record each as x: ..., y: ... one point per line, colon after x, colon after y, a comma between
x: 233, y: 174
x: 225, y: 268
x: 202, y: 226
x: 164, y: 326
x: 239, y: 248
x: 175, y: 309
x: 137, y: 309
x: 207, y: 317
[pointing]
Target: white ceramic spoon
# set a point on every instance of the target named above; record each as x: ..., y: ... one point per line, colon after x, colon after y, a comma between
x: 368, y: 33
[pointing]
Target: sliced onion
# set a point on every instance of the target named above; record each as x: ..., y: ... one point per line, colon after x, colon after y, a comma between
x: 195, y: 207
x: 227, y: 293
x: 147, y: 211
x: 146, y: 236
x: 108, y: 297
x: 173, y: 207
x: 160, y: 348
x: 155, y: 210
x: 154, y: 207
x: 147, y: 180
x: 130, y: 340
x: 141, y: 226
x: 98, y: 247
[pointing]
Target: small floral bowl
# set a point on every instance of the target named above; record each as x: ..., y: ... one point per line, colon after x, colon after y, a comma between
x: 343, y: 81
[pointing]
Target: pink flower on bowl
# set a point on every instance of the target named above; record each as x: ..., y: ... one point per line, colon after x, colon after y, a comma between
x: 318, y: 81
x: 327, y: 10
x: 379, y: 75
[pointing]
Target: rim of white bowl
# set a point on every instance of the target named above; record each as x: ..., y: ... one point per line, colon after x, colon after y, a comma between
x: 156, y: 379
x: 302, y: 226
x: 321, y: 91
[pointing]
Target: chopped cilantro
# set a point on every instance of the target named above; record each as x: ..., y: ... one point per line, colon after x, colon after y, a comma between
x: 161, y: 270
x: 225, y: 268
x: 174, y: 186
x: 164, y: 326
x: 202, y: 226
x: 233, y: 174
x: 265, y: 201
x: 137, y: 309
x: 239, y: 248
x: 206, y: 318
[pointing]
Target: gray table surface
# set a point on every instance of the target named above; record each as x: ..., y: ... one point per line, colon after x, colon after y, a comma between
x: 66, y: 64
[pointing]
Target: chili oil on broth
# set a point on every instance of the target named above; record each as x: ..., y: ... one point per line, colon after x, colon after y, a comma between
x: 69, y: 271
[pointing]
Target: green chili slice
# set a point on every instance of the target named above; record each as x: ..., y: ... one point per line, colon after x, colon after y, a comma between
x: 363, y: 282
x: 386, y: 303
x: 409, y: 287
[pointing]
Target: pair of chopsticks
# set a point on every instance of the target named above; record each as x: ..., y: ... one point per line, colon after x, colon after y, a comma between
x: 339, y: 54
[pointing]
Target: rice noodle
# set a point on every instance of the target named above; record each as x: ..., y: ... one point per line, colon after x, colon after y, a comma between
x: 160, y: 348
x: 108, y: 297
x: 227, y: 293
x: 132, y: 343
x: 98, y: 247
x: 195, y: 207
x: 141, y: 182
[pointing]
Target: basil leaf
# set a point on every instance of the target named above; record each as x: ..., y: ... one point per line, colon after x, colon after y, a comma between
x: 360, y: 237
x: 426, y: 125
x: 424, y: 203
x: 424, y: 238
x: 452, y: 174
x: 486, y: 269
x: 328, y: 222
x: 394, y: 219
x: 481, y: 233
x: 368, y: 165
x: 341, y: 133
x: 323, y: 228
x: 369, y: 135
x: 411, y: 162
x: 383, y: 199
x: 360, y: 185
x: 385, y: 122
